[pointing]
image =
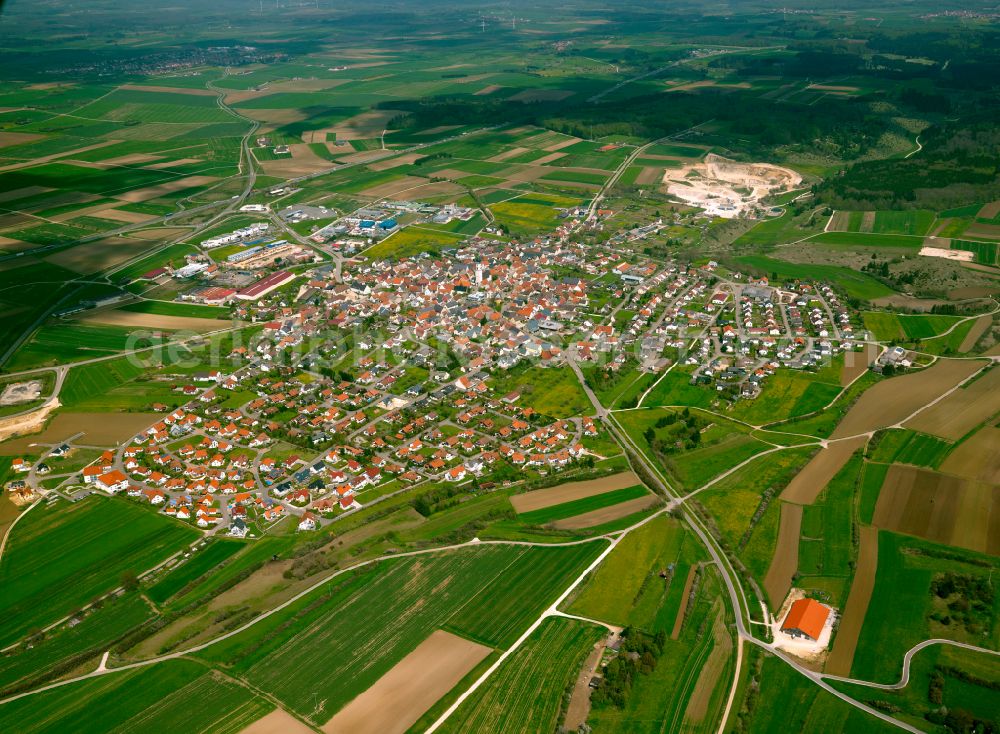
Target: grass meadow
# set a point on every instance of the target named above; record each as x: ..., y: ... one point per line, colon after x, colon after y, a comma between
x: 83, y: 549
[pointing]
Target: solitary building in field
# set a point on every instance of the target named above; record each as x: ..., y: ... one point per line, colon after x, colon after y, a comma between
x: 806, y: 618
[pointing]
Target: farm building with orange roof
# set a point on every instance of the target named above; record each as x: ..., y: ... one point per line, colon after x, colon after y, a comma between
x: 806, y: 618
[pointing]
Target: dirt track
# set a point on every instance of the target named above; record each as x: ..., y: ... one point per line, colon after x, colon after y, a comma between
x: 541, y: 498
x: 400, y: 697
x: 842, y: 656
x: 785, y: 561
x: 579, y: 702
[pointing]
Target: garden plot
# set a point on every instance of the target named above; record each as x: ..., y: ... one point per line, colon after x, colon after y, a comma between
x: 726, y: 188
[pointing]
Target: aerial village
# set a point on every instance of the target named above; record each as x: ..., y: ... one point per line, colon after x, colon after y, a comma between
x: 393, y: 372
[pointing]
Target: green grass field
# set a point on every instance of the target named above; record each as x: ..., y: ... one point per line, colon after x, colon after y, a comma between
x: 173, y: 308
x: 659, y: 699
x: 59, y: 343
x: 177, y: 695
x: 526, y: 693
x: 897, y: 617
x: 412, y: 241
x: 804, y: 706
x: 906, y: 327
x: 852, y: 282
x: 578, y: 507
x: 391, y: 610
x: 90, y: 381
x: 26, y: 293
x: 626, y: 589
x: 532, y: 212
x: 63, y: 649
x: 826, y: 547
x: 872, y: 479
x: 905, y: 222
x: 790, y: 393
x: 910, y: 447
x: 724, y: 444
x: 985, y: 252
x: 552, y: 391
x: 968, y: 681
x: 192, y: 569
x: 867, y: 240
x: 733, y: 502
x: 253, y: 555
x: 82, y: 549
x: 675, y: 388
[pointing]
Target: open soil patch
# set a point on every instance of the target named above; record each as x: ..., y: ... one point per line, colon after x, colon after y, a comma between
x: 842, y: 656
x: 891, y: 401
x: 99, y: 429
x: 155, y: 321
x: 727, y: 188
x: 940, y: 507
x: 99, y: 255
x: 785, y: 561
x: 963, y: 410
x: 978, y: 329
x: 400, y: 697
x: 808, y: 483
x: 856, y: 364
x: 153, y: 192
x: 278, y: 721
x: 685, y: 596
x: 977, y: 458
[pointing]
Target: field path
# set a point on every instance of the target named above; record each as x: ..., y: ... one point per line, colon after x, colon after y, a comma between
x: 904, y: 680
